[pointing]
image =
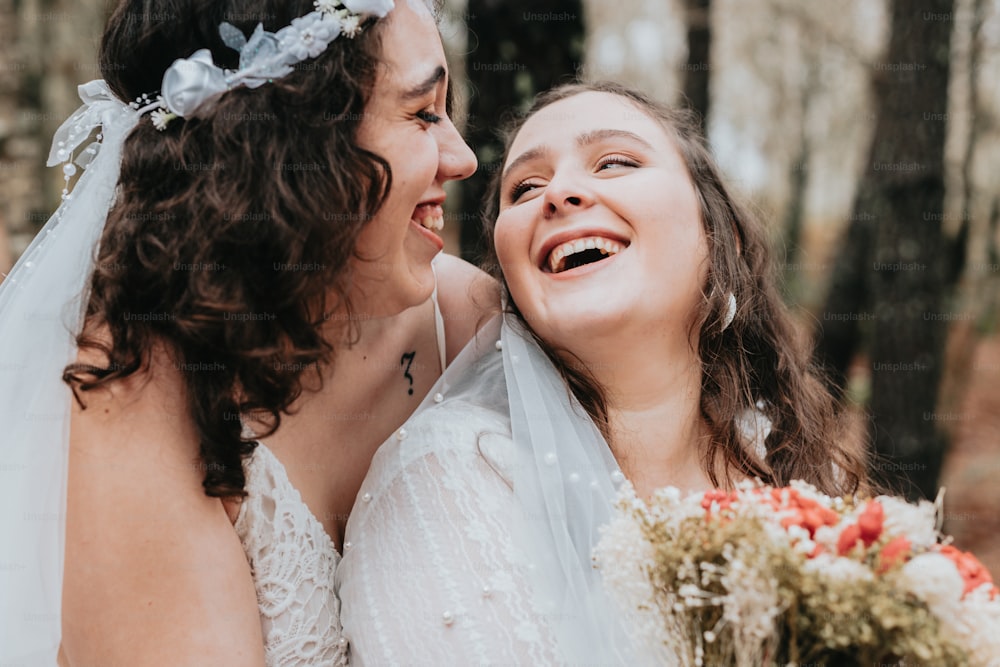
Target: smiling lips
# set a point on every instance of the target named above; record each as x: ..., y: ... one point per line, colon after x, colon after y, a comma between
x: 429, y: 216
x: 578, y: 252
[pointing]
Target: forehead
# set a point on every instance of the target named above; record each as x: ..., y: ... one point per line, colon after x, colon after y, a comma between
x: 560, y: 123
x: 411, y: 44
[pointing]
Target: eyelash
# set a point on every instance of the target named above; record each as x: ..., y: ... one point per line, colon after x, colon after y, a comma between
x: 519, y: 189
x: 617, y: 159
x: 522, y: 186
x: 428, y: 117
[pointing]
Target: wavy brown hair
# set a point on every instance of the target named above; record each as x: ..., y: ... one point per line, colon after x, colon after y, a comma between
x: 761, y: 361
x: 230, y: 237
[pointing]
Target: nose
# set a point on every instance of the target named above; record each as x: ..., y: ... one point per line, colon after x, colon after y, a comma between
x: 564, y: 194
x: 456, y: 161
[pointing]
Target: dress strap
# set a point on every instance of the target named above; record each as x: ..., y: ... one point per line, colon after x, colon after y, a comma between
x: 439, y: 324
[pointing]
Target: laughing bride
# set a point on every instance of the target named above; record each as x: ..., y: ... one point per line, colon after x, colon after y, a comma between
x: 658, y: 352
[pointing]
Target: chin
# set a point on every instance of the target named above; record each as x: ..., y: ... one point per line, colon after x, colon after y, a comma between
x: 391, y: 293
x: 415, y: 285
x: 574, y: 329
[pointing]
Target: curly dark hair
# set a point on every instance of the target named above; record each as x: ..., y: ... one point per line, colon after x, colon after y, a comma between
x: 231, y: 234
x: 761, y: 361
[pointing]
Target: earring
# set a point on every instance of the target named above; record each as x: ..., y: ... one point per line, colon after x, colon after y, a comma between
x: 730, y: 313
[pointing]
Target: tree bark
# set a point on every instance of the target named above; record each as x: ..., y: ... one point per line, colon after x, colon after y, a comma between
x: 516, y: 50
x: 699, y: 64
x: 899, y: 211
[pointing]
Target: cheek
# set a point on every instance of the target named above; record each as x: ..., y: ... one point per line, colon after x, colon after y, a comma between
x: 510, y: 241
x: 418, y: 156
x: 373, y: 240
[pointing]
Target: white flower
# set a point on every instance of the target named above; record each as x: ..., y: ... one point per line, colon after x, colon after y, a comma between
x: 622, y: 555
x: 190, y: 82
x: 915, y: 522
x: 326, y: 6
x: 751, y: 604
x: 839, y: 569
x: 668, y: 494
x: 351, y: 25
x: 828, y: 536
x: 309, y: 35
x: 978, y: 626
x: 160, y: 118
x: 934, y: 579
x: 377, y: 8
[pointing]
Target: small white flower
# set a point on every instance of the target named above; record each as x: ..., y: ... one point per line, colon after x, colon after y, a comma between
x: 351, y: 26
x: 670, y: 494
x: 377, y: 8
x: 326, y: 6
x: 838, y: 569
x: 160, y: 118
x: 309, y: 35
x: 915, y: 522
x: 797, y: 533
x: 828, y: 536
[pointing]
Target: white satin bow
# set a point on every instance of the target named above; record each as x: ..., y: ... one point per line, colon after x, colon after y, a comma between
x: 100, y: 109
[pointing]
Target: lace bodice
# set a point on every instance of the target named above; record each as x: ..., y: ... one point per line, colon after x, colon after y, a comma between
x: 293, y: 562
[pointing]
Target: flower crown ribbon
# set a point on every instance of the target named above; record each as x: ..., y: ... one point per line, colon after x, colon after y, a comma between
x: 100, y: 109
x: 191, y: 84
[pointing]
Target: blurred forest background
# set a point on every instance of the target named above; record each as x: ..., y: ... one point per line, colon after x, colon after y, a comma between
x: 865, y: 132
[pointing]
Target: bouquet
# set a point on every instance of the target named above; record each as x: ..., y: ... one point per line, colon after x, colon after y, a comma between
x: 779, y: 576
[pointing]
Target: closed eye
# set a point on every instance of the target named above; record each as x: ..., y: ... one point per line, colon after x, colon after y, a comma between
x: 522, y: 188
x: 615, y: 161
x: 428, y: 117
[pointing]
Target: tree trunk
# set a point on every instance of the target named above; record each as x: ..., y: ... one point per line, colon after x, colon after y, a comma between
x: 516, y: 50
x: 899, y: 211
x: 848, y: 301
x: 698, y: 67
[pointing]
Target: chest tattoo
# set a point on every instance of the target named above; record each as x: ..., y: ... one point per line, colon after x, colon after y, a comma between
x: 407, y: 361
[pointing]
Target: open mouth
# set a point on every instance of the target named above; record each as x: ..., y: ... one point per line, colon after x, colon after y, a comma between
x: 429, y: 216
x: 580, y: 252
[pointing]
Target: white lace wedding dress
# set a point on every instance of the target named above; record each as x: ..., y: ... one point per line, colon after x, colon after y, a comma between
x: 294, y: 562
x: 429, y: 574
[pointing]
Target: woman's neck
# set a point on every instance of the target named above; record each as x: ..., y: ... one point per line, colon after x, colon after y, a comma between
x: 654, y: 413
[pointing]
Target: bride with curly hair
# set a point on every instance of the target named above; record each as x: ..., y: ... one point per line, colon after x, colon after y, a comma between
x: 235, y: 305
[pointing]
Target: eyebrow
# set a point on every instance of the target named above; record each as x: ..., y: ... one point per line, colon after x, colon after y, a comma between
x: 427, y: 85
x: 582, y: 140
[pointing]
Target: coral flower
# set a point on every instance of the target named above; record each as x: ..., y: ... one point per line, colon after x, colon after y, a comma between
x: 974, y: 574
x: 870, y: 522
x: 867, y: 529
x: 894, y: 553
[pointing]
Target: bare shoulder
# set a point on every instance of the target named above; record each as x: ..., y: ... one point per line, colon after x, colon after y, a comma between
x: 468, y: 298
x: 154, y: 571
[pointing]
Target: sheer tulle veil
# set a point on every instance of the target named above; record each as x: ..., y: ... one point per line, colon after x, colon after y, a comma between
x: 565, y: 482
x: 42, y: 304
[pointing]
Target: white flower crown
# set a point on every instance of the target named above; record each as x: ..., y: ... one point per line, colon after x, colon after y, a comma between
x: 189, y: 84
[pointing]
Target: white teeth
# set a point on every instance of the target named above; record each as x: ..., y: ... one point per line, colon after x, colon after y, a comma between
x: 435, y: 223
x: 559, y: 254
